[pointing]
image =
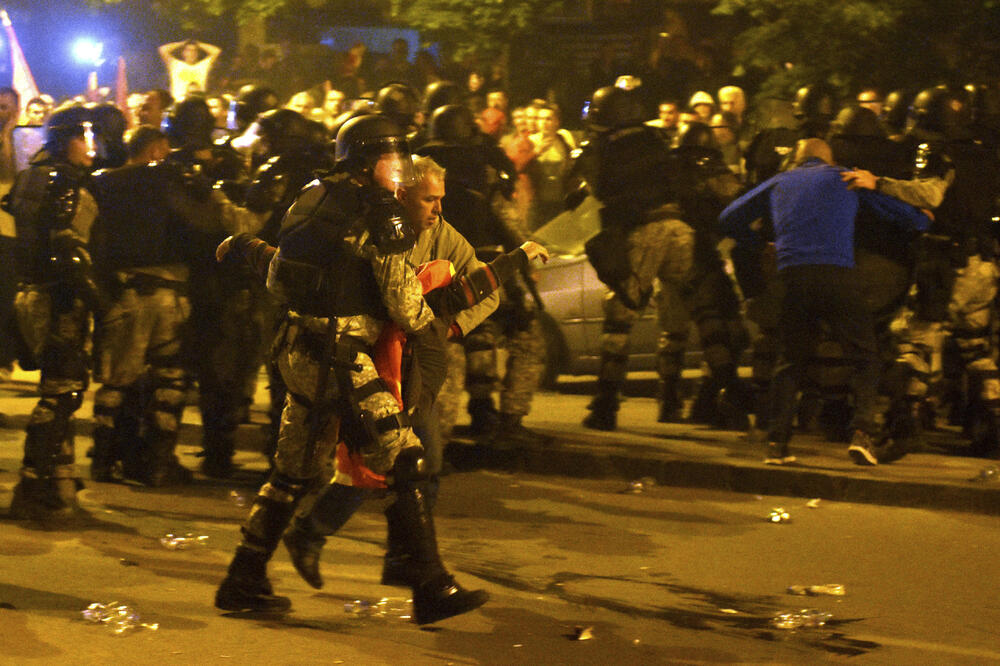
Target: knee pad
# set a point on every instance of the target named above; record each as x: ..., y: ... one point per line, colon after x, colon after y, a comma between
x: 410, y: 468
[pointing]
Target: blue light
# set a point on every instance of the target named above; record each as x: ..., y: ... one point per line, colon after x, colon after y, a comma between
x: 88, y: 52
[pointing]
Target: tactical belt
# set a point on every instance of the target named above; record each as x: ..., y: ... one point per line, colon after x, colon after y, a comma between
x: 147, y: 283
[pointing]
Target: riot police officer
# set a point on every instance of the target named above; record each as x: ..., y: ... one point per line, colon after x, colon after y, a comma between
x: 770, y: 150
x: 54, y: 210
x: 702, y: 186
x: 341, y: 271
x: 626, y: 165
x: 141, y: 245
x: 222, y: 338
x: 292, y: 157
x: 956, y: 275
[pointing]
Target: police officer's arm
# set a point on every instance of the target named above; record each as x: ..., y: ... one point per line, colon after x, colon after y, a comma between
x: 254, y: 251
x: 925, y: 192
x: 401, y: 292
x: 238, y: 219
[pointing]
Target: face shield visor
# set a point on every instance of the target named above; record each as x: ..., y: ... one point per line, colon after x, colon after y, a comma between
x: 392, y: 163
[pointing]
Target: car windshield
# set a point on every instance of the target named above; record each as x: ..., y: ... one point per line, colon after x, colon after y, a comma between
x: 566, y: 233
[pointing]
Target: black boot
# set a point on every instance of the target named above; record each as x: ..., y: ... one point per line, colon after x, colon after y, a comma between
x: 246, y: 587
x: 104, y: 454
x: 436, y: 594
x: 484, y: 416
x: 671, y: 406
x: 307, y: 535
x: 704, y: 410
x: 45, y: 499
x: 219, y: 448
x: 512, y: 433
x: 604, y: 407
x: 397, y: 567
x: 304, y: 549
x: 984, y: 430
x: 165, y: 469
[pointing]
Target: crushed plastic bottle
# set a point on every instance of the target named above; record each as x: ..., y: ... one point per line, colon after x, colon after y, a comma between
x: 829, y: 590
x: 806, y: 618
x: 635, y: 487
x: 119, y: 618
x: 172, y: 541
x: 989, y: 473
x: 386, y: 608
x: 358, y: 608
x: 778, y: 515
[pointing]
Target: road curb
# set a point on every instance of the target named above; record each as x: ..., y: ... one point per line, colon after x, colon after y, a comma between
x: 585, y: 461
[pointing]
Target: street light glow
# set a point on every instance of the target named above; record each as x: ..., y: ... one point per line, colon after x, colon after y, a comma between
x: 88, y: 51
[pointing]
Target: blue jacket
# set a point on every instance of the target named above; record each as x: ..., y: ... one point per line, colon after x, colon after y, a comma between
x: 813, y: 214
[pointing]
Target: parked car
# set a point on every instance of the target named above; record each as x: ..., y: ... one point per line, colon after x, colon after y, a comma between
x: 573, y: 300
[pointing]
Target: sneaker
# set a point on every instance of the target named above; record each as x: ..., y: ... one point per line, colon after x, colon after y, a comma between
x: 778, y: 454
x: 862, y: 449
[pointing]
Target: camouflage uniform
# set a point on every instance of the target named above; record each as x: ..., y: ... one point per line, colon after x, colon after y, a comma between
x: 142, y: 246
x: 516, y: 327
x: 141, y: 340
x: 661, y: 249
x: 53, y: 312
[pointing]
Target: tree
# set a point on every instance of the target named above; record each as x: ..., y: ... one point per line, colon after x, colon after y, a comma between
x: 474, y: 27
x: 190, y: 13
x: 482, y: 27
x: 850, y: 43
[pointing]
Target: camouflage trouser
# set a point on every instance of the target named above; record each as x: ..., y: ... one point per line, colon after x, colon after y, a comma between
x: 56, y: 328
x: 970, y: 313
x: 449, y: 399
x: 519, y: 330
x: 300, y: 368
x: 139, y: 364
x: 689, y: 292
x: 228, y: 361
x: 301, y: 466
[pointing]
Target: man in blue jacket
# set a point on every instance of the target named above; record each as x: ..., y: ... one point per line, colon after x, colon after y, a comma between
x: 813, y: 213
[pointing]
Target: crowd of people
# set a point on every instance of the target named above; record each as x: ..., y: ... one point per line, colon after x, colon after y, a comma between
x: 200, y: 235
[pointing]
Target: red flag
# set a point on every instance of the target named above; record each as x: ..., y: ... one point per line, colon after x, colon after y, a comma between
x: 23, y: 82
x: 121, y: 90
x: 93, y: 93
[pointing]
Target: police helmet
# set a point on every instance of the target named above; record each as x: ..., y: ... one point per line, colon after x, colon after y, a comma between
x: 696, y: 134
x: 611, y: 107
x: 189, y: 124
x: 65, y: 124
x: 938, y: 109
x: 895, y: 109
x: 440, y: 93
x: 250, y: 102
x: 284, y: 129
x: 398, y: 101
x: 452, y: 123
x: 109, y: 133
x: 361, y: 141
x: 856, y: 120
x: 815, y: 102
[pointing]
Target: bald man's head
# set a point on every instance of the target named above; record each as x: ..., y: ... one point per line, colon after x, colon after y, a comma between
x: 813, y: 149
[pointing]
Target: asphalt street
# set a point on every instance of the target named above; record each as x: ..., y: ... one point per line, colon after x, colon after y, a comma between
x: 677, y: 568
